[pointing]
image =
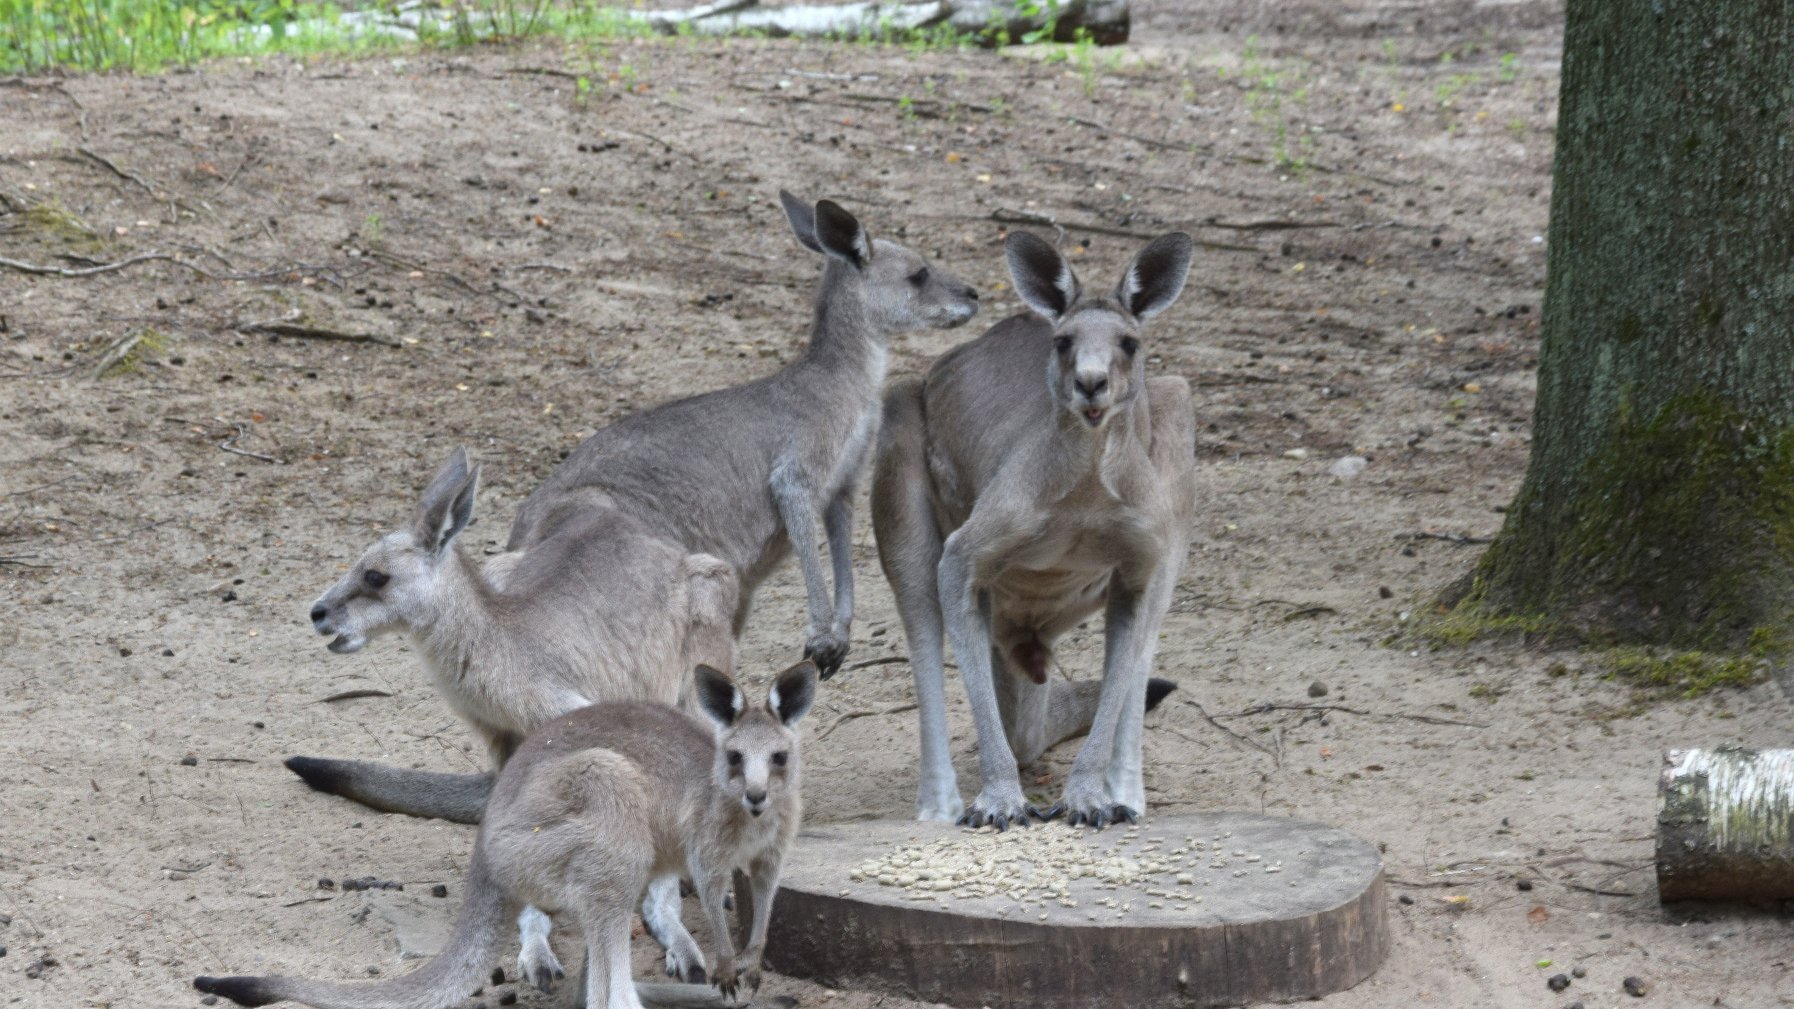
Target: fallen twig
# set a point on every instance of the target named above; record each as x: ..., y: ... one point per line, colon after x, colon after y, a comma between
x: 1210, y: 719
x: 119, y: 350
x: 19, y: 561
x: 151, y: 257
x: 107, y: 164
x: 281, y: 327
x: 350, y: 695
x: 889, y: 660
x: 1307, y: 611
x: 1259, y: 709
x: 868, y: 713
x: 230, y: 444
x: 1268, y: 225
x: 1453, y: 538
x: 306, y: 900
x: 1002, y: 216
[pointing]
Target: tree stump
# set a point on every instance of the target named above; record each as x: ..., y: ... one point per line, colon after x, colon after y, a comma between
x: 1725, y: 825
x: 1280, y: 910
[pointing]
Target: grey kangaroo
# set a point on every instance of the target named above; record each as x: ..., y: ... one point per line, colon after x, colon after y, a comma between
x: 589, y: 809
x: 739, y: 474
x: 1034, y: 477
x: 742, y: 473
x: 597, y: 609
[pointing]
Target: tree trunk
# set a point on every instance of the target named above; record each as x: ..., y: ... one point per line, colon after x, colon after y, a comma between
x: 1725, y: 825
x: 1658, y: 505
x: 990, y: 22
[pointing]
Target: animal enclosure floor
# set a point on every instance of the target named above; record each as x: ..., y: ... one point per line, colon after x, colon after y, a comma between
x: 395, y: 256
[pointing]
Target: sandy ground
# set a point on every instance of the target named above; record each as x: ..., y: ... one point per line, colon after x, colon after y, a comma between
x: 542, y: 261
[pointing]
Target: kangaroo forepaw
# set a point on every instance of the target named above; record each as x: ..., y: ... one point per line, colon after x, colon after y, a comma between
x: 828, y: 650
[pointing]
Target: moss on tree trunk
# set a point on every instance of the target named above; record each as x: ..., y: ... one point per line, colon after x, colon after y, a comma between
x: 1658, y: 505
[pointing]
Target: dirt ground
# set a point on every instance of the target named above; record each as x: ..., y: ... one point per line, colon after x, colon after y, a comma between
x: 531, y: 258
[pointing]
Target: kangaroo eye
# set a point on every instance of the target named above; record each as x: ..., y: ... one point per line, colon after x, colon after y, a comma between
x: 1129, y: 345
x: 734, y: 758
x: 780, y: 757
x: 375, y: 579
x: 1062, y: 344
x: 919, y: 277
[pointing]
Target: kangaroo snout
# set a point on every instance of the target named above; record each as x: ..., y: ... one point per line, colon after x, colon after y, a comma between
x: 756, y: 801
x: 319, y: 614
x: 1091, y: 387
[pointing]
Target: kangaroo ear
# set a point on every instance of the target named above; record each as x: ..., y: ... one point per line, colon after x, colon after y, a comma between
x: 793, y: 692
x: 1156, y: 276
x: 1042, y: 277
x: 447, y: 504
x: 803, y: 220
x: 840, y: 235
x: 718, y: 696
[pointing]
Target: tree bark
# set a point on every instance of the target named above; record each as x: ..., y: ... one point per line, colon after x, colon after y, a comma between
x: 990, y: 22
x: 1725, y: 825
x: 1658, y: 505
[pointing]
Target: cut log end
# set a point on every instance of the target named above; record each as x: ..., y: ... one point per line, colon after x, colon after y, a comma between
x: 1725, y: 825
x: 1315, y: 923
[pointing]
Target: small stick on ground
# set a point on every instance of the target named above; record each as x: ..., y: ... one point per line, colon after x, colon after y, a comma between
x: 1453, y: 538
x: 107, y: 164
x: 299, y: 330
x: 230, y: 444
x: 1259, y: 709
x: 1002, y: 216
x: 350, y: 695
x: 1210, y: 719
x: 868, y: 713
x: 120, y: 349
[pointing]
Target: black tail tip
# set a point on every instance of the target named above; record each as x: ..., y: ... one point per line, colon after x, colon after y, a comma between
x: 241, y: 990
x: 321, y: 774
x: 1156, y: 689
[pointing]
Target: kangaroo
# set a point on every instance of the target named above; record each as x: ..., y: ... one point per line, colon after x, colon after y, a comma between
x: 741, y: 473
x: 597, y: 609
x: 589, y: 809
x: 738, y: 474
x: 1009, y: 510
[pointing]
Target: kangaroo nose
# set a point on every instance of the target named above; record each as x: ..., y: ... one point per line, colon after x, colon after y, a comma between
x: 756, y: 798
x: 1092, y: 387
x: 972, y: 292
x: 318, y: 613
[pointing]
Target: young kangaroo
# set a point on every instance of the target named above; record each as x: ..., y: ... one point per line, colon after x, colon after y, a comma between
x: 588, y: 810
x: 598, y: 608
x: 1011, y: 509
x: 742, y: 473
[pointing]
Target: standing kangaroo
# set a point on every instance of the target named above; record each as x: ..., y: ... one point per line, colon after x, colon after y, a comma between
x: 589, y: 809
x: 741, y: 473
x: 597, y: 609
x: 1010, y: 509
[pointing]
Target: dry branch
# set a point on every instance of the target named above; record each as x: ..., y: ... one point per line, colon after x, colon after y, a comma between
x: 302, y: 331
x: 991, y: 22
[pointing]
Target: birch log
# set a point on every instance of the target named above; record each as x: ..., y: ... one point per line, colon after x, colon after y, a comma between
x: 1725, y: 825
x: 991, y: 22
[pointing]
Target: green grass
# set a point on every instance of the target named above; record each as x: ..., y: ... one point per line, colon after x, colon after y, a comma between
x: 145, y: 36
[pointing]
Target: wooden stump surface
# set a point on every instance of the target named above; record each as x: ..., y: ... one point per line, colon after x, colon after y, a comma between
x: 1316, y: 924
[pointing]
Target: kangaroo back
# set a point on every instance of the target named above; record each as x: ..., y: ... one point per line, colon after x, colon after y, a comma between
x: 449, y: 976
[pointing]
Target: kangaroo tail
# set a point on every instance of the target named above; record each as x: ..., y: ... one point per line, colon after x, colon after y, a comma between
x: 460, y: 798
x: 449, y: 976
x: 1073, y: 706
